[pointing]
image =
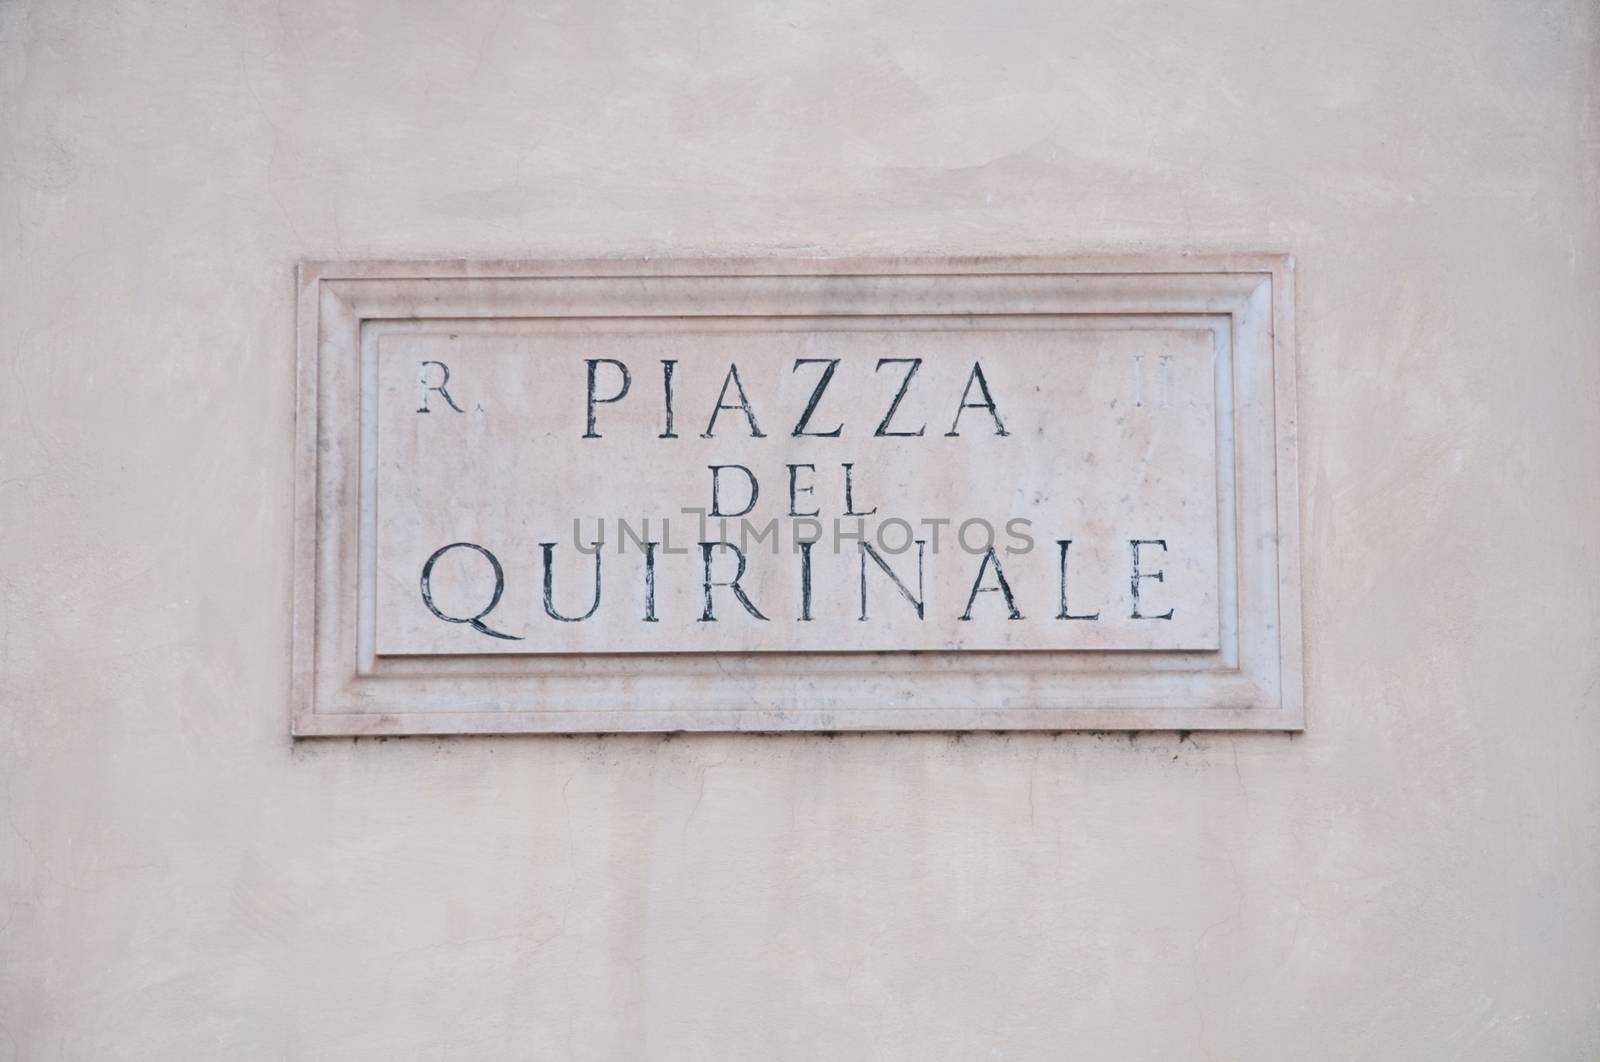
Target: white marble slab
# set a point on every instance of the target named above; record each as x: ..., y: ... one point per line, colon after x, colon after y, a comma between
x: 1099, y: 438
x: 890, y: 548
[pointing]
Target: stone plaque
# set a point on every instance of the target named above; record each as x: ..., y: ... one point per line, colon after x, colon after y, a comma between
x: 796, y: 495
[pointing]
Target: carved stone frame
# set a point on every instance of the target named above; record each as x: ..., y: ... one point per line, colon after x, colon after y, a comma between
x: 340, y: 687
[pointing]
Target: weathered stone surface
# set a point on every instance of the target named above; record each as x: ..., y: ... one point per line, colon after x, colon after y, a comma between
x: 1415, y: 876
x: 882, y: 531
x: 546, y: 480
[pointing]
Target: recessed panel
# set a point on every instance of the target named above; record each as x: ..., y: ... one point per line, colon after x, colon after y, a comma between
x: 914, y: 485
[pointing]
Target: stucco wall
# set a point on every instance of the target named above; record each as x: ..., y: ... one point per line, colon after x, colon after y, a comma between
x: 1415, y: 877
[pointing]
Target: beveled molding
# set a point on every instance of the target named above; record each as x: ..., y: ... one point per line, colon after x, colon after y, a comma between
x: 1254, y: 682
